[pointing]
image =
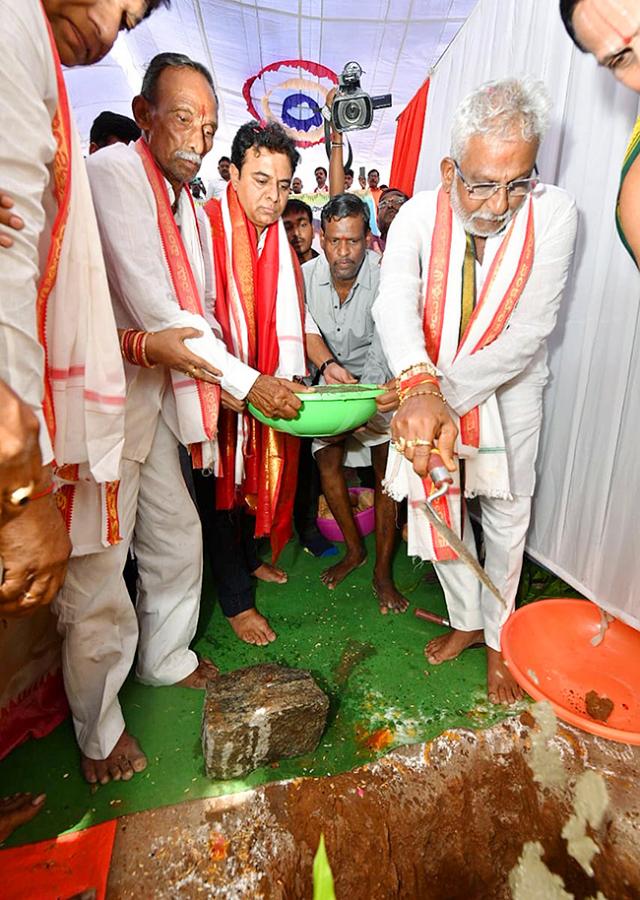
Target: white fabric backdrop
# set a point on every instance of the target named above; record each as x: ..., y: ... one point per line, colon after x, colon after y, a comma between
x: 394, y: 40
x: 584, y: 524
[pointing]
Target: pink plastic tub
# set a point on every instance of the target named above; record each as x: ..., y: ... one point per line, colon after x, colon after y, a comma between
x: 365, y: 521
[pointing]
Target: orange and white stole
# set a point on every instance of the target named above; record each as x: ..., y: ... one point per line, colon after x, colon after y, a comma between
x: 197, y: 402
x: 481, y: 440
x: 84, y: 390
x: 260, y: 308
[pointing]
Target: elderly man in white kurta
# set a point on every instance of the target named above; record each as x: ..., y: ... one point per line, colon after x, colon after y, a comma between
x: 471, y: 282
x: 159, y: 266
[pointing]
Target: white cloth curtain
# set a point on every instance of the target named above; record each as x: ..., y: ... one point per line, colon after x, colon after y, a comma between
x: 585, y: 512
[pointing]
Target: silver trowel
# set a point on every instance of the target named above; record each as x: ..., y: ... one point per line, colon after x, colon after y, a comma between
x: 441, y: 479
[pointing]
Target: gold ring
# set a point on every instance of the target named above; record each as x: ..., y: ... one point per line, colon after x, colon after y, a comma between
x: 20, y: 496
x: 399, y: 445
x: 419, y: 442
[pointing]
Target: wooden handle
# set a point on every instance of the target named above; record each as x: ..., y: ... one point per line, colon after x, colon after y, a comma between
x: 429, y: 616
x: 438, y: 472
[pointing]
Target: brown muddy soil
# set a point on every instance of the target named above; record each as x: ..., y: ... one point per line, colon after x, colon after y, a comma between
x: 440, y: 821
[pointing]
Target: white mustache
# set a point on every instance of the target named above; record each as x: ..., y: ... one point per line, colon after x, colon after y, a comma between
x: 487, y: 217
x: 497, y: 223
x: 189, y: 156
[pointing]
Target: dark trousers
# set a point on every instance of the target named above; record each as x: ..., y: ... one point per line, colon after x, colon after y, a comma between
x: 230, y: 546
x: 305, y: 507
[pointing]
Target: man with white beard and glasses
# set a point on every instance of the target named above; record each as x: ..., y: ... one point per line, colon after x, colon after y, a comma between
x: 471, y: 282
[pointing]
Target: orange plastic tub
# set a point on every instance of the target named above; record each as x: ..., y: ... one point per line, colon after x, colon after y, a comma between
x: 548, y: 647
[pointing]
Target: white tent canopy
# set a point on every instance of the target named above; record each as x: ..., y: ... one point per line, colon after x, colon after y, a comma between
x: 395, y: 41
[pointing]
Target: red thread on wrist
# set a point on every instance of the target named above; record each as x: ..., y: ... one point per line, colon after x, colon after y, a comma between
x: 422, y: 378
x: 43, y: 493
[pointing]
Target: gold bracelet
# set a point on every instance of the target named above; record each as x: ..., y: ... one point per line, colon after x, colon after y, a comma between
x: 423, y: 368
x: 423, y: 394
x: 405, y: 392
x: 143, y: 351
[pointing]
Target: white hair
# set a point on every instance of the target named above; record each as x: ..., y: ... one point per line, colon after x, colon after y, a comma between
x: 499, y: 108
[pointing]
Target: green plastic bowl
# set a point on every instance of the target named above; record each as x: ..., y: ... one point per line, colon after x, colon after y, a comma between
x: 329, y: 410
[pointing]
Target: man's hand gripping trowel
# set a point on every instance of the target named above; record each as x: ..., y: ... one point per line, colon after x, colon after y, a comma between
x: 441, y: 479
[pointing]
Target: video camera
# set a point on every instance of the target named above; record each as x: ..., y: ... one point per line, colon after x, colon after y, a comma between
x: 353, y: 108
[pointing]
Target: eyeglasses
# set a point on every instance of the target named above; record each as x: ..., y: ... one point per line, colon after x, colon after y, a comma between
x: 486, y: 189
x: 394, y: 204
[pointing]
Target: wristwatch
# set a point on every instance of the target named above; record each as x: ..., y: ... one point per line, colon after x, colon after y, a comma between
x: 326, y: 363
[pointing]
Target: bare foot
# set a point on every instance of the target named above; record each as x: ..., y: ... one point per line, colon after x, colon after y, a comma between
x: 389, y: 597
x: 121, y: 764
x: 350, y: 561
x: 252, y: 628
x: 450, y: 645
x: 501, y: 685
x: 201, y: 676
x: 18, y: 809
x: 267, y: 572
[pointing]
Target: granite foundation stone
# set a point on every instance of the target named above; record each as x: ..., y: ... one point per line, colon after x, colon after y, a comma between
x: 258, y: 715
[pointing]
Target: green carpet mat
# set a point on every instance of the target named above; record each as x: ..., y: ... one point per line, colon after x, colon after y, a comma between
x: 383, y: 693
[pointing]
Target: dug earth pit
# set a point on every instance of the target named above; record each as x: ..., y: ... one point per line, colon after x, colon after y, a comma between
x: 447, y: 820
x: 258, y: 715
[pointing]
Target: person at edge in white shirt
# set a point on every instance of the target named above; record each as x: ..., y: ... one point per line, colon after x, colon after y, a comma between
x: 519, y: 239
x: 34, y: 38
x: 217, y: 186
x: 177, y: 112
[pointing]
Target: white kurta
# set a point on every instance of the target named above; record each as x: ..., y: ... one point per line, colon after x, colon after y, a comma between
x: 85, y: 367
x: 141, y: 287
x: 513, y: 368
x: 28, y: 101
x: 158, y: 518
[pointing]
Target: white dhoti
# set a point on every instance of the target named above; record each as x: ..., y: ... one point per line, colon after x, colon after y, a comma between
x: 470, y: 604
x: 96, y: 617
x: 356, y: 447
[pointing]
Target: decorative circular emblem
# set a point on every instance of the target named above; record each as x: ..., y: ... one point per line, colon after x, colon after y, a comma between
x: 296, y: 102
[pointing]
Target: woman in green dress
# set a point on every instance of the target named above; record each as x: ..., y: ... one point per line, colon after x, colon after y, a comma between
x: 610, y: 31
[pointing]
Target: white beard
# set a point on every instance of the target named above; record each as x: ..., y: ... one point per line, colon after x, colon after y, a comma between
x: 468, y: 220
